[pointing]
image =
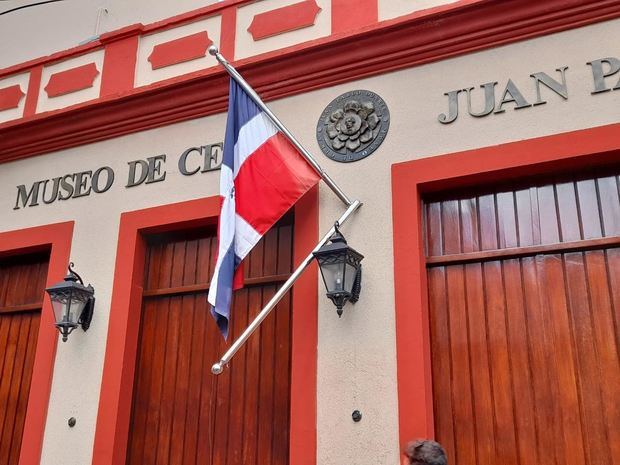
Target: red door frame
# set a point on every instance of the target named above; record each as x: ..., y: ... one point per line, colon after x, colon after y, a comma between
x: 55, y: 238
x: 410, y: 180
x: 112, y: 429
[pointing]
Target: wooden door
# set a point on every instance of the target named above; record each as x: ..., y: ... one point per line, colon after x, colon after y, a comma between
x: 22, y: 284
x: 524, y: 295
x: 182, y: 414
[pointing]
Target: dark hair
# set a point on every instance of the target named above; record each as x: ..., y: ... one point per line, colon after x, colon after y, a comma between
x: 425, y: 452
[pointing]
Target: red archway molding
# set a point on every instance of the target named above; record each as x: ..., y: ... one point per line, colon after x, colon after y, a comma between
x: 56, y: 238
x: 112, y: 429
x: 410, y: 180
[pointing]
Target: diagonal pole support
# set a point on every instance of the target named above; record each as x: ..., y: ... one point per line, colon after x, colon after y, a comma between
x: 352, y: 206
x: 218, y: 367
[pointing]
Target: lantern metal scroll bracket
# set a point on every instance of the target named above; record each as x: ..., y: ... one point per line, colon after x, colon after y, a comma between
x: 87, y: 314
x: 357, y: 283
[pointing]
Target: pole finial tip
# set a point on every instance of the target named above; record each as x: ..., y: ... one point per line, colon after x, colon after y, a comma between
x: 217, y: 368
x: 213, y: 50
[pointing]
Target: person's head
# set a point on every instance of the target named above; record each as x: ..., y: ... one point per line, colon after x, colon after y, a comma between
x: 424, y: 452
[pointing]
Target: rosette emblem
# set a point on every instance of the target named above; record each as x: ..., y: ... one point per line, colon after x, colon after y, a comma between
x: 353, y: 126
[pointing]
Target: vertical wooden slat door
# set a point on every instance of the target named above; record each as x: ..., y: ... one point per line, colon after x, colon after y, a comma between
x: 22, y: 284
x: 524, y: 297
x: 182, y: 414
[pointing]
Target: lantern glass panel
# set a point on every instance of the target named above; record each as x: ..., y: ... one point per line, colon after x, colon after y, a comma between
x: 349, y: 276
x: 68, y: 305
x: 333, y: 275
x: 73, y: 315
x: 60, y: 308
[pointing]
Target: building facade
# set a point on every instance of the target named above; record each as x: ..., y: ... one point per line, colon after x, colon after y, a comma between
x: 490, y: 226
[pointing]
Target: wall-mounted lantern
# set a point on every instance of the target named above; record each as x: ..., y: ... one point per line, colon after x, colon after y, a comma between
x: 73, y: 303
x: 341, y: 269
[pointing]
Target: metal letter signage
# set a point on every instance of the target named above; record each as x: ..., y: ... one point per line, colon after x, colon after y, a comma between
x: 353, y: 126
x: 510, y: 94
x: 147, y: 171
x: 605, y: 71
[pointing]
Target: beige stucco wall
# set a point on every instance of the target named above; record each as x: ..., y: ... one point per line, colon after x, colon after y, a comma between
x: 38, y: 31
x: 356, y: 359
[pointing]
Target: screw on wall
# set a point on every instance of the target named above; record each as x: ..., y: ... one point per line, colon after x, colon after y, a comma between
x: 357, y: 416
x: 71, y: 422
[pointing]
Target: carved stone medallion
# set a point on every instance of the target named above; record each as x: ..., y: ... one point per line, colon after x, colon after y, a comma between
x: 353, y: 126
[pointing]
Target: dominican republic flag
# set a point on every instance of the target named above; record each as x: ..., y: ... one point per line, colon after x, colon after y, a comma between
x: 262, y: 176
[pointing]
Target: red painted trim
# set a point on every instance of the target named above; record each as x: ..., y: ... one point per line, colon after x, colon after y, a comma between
x: 110, y: 445
x: 348, y: 15
x: 10, y: 97
x: 57, y: 239
x: 32, y: 95
x: 284, y: 19
x: 224, y: 8
x: 180, y: 50
x: 412, y: 350
x: 119, y: 66
x: 552, y: 154
x: 122, y: 33
x: 53, y: 58
x: 422, y: 37
x: 305, y: 335
x: 133, y: 29
x: 71, y: 80
x: 228, y: 32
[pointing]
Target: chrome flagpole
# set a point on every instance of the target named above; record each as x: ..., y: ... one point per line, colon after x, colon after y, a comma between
x: 213, y: 50
x: 218, y: 367
x: 352, y: 206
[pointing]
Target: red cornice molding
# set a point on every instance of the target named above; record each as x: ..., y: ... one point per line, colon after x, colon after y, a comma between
x: 416, y: 39
x: 348, y: 15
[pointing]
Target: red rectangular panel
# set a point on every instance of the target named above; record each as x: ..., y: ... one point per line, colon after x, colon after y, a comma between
x: 72, y: 80
x: 287, y: 18
x: 179, y: 50
x: 10, y: 97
